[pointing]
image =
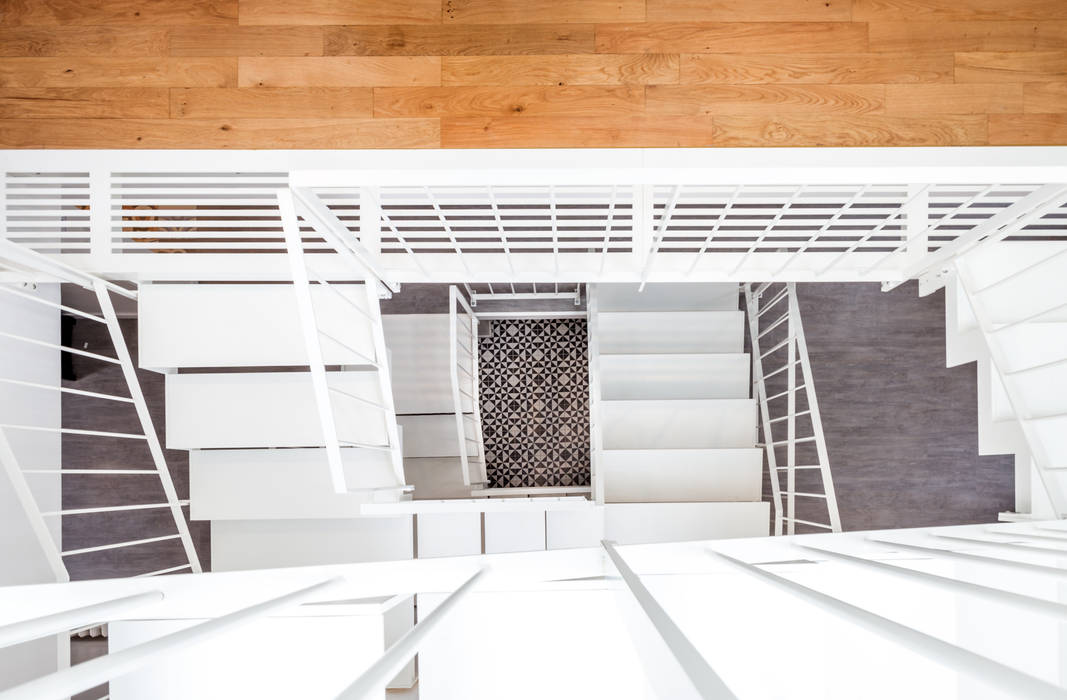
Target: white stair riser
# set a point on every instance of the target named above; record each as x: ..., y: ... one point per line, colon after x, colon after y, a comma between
x: 635, y: 476
x: 282, y: 484
x: 420, y: 363
x: 267, y: 409
x: 240, y: 545
x: 246, y: 325
x: 674, y: 376
x: 433, y: 436
x: 643, y: 523
x: 676, y: 296
x: 635, y: 425
x: 1044, y: 391
x: 1051, y: 433
x: 670, y: 332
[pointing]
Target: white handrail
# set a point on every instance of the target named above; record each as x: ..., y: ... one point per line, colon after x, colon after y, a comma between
x: 92, y: 673
x: 788, y: 324
x: 372, y: 680
x: 66, y: 620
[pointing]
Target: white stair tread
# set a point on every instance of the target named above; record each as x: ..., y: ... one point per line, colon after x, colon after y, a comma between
x: 239, y: 545
x: 419, y: 361
x: 449, y: 534
x: 644, y: 523
x: 571, y: 529
x: 697, y: 423
x: 682, y: 376
x: 1027, y: 279
x: 245, y: 325
x: 283, y: 484
x: 434, y: 436
x: 637, y: 476
x: 670, y: 332
x: 267, y: 409
x: 1052, y: 433
x: 674, y: 296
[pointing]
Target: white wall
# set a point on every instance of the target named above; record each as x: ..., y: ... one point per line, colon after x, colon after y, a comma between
x: 20, y: 551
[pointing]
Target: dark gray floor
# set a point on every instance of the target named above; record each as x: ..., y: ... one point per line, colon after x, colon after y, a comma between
x: 901, y: 428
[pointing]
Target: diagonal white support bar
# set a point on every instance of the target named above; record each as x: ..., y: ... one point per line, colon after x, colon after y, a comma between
x: 681, y: 671
x: 963, y: 661
x: 32, y: 260
x: 337, y: 235
x: 309, y: 328
x: 97, y: 613
x: 657, y: 239
x: 92, y: 673
x: 385, y: 380
x: 373, y: 680
x: 31, y: 510
x: 107, y: 310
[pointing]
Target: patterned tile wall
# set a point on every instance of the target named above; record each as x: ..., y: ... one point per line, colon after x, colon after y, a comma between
x: 534, y: 384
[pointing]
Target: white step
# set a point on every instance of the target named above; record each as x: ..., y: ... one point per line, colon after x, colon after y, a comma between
x: 433, y: 436
x: 571, y: 529
x: 1052, y: 432
x: 658, y: 376
x: 267, y: 409
x: 670, y: 332
x: 282, y: 484
x: 420, y: 364
x: 704, y: 423
x: 1043, y: 390
x: 449, y: 534
x: 514, y: 531
x: 643, y: 523
x: 1016, y: 280
x: 675, y: 296
x: 635, y: 476
x: 239, y: 545
x: 436, y: 477
x: 1032, y: 344
x: 245, y: 325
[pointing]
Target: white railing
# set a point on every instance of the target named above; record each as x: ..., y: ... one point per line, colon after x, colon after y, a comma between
x: 34, y: 266
x: 303, y: 276
x: 510, y: 292
x: 463, y: 361
x: 596, y: 434
x: 513, y: 216
x: 882, y: 591
x: 792, y: 429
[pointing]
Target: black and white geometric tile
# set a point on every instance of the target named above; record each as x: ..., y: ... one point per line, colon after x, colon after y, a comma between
x: 534, y: 391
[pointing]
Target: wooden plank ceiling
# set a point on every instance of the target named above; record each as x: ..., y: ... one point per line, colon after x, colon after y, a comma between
x: 531, y: 73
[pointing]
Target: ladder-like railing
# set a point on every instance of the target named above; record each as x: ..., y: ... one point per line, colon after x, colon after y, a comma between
x: 785, y: 387
x: 18, y: 260
x: 463, y: 373
x: 334, y: 437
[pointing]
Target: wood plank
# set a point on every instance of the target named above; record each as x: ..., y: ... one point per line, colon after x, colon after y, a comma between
x: 1028, y: 129
x: 117, y: 72
x: 956, y: 10
x: 494, y: 101
x: 459, y: 40
x: 246, y: 41
x: 576, y: 132
x: 339, y: 71
x: 150, y: 13
x: 542, y: 11
x: 816, y: 68
x: 848, y: 130
x: 87, y: 103
x: 340, y: 12
x: 599, y: 69
x: 904, y: 100
x: 282, y: 103
x: 231, y: 133
x: 967, y: 36
x: 83, y: 41
x: 1010, y: 67
x: 765, y: 100
x: 1045, y: 98
x: 748, y: 11
x: 731, y: 37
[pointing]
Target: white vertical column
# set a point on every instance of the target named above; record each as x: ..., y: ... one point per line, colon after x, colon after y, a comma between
x: 916, y: 221
x: 370, y: 220
x: 791, y: 410
x: 643, y: 225
x: 99, y: 217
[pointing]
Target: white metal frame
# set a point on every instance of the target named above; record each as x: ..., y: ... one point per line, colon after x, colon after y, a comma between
x: 30, y: 262
x: 356, y: 254
x: 782, y: 323
x: 463, y: 373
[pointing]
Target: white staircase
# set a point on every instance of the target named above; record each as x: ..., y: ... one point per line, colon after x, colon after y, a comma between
x: 1006, y: 310
x: 240, y: 398
x: 675, y: 454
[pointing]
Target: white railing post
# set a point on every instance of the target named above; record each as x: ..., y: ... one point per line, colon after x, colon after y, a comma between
x: 596, y: 436
x: 370, y: 220
x: 385, y: 379
x: 103, y: 296
x: 100, y: 217
x: 312, y: 345
x: 752, y: 303
x: 643, y: 216
x: 916, y: 224
x: 791, y: 413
